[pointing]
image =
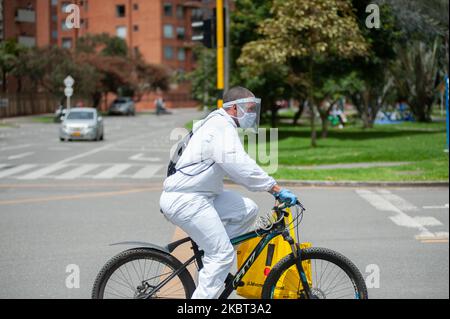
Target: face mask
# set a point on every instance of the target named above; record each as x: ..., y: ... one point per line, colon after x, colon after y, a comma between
x: 248, y: 110
x: 247, y: 120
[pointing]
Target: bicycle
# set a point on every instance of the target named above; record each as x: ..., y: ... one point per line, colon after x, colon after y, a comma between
x: 172, y: 279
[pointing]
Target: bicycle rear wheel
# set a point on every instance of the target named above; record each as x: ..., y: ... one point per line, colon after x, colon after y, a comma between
x: 331, y: 276
x: 136, y: 272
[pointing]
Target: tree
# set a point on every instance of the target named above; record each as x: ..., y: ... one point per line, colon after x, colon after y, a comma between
x: 271, y: 84
x: 422, y: 51
x: 203, y: 77
x: 117, y: 72
x: 9, y: 52
x: 372, y: 71
x: 148, y: 77
x: 305, y: 30
x: 415, y: 73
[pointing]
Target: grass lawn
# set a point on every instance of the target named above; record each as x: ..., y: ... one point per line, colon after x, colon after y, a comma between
x: 420, y: 144
x: 47, y: 118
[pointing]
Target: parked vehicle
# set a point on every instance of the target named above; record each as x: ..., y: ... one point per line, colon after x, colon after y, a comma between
x: 122, y: 106
x: 82, y: 124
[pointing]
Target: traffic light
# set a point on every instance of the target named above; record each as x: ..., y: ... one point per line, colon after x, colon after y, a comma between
x: 204, y: 31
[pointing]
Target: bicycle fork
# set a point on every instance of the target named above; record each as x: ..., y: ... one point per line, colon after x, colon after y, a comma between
x: 296, y: 251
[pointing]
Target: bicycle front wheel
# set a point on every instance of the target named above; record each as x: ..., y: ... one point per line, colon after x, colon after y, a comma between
x: 136, y: 273
x: 330, y: 275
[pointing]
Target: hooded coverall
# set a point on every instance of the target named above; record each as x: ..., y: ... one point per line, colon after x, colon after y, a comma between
x: 194, y: 198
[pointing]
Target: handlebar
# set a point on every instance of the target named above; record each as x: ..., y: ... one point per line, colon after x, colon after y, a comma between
x: 284, y: 205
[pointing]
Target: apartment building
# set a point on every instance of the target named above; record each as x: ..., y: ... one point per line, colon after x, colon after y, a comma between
x: 159, y: 29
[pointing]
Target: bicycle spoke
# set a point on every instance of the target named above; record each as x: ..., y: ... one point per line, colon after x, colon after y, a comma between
x: 340, y: 283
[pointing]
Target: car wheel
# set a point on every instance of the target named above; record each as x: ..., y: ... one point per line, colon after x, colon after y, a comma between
x: 61, y: 139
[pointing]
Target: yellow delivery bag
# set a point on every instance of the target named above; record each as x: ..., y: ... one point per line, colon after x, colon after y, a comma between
x: 289, y: 286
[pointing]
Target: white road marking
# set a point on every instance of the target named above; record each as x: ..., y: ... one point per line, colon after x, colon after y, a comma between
x: 427, y: 221
x: 20, y: 155
x: 3, y: 165
x: 58, y: 148
x: 78, y: 171
x: 15, y: 170
x: 9, y: 148
x: 147, y: 172
x: 140, y: 157
x: 398, y: 201
x: 436, y: 207
x: 400, y: 218
x: 84, y: 154
x: 42, y: 172
x: 112, y: 171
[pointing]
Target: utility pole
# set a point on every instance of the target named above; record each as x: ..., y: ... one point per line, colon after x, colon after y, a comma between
x: 446, y: 106
x: 228, y: 44
x: 220, y: 51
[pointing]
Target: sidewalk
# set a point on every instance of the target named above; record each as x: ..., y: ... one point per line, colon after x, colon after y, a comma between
x: 347, y: 165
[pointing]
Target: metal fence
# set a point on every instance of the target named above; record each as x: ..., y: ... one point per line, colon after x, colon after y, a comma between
x: 26, y: 104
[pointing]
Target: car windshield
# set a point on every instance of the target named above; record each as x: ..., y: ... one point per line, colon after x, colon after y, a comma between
x: 80, y: 116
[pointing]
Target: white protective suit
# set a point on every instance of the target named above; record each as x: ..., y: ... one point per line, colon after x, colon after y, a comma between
x: 199, y: 205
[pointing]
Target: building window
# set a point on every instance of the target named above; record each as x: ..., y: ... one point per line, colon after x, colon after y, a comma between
x: 136, y: 28
x: 67, y: 43
x: 168, y: 53
x: 180, y: 12
x: 135, y: 7
x: 64, y: 6
x: 64, y: 25
x: 84, y: 23
x: 121, y: 32
x: 167, y: 9
x: 168, y: 31
x: 180, y: 33
x: 54, y: 18
x: 54, y: 2
x: 181, y: 54
x: 54, y: 34
x: 120, y: 11
x: 196, y: 14
x: 136, y: 51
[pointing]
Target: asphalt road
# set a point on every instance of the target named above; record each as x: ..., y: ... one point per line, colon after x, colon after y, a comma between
x: 63, y: 204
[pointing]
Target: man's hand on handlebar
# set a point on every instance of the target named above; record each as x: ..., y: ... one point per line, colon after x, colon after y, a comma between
x: 284, y: 196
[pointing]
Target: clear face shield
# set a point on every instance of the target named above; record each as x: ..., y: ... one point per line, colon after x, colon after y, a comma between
x: 248, y: 112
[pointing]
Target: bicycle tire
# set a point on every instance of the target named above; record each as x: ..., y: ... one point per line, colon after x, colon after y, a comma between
x: 315, y: 253
x: 138, y: 254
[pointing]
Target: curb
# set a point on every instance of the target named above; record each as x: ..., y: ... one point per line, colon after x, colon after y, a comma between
x: 363, y: 184
x: 294, y: 183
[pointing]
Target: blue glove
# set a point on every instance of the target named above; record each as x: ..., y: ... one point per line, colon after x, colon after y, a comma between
x: 286, y: 197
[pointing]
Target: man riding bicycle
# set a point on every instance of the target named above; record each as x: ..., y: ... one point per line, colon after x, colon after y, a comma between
x: 193, y: 197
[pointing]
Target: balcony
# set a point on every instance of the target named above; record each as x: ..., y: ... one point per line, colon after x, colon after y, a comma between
x: 25, y: 15
x: 27, y: 41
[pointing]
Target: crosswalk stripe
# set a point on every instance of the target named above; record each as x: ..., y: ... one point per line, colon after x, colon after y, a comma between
x: 398, y: 201
x: 15, y: 170
x: 3, y: 165
x: 78, y: 171
x: 400, y: 218
x: 43, y: 171
x: 112, y: 171
x: 147, y: 172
